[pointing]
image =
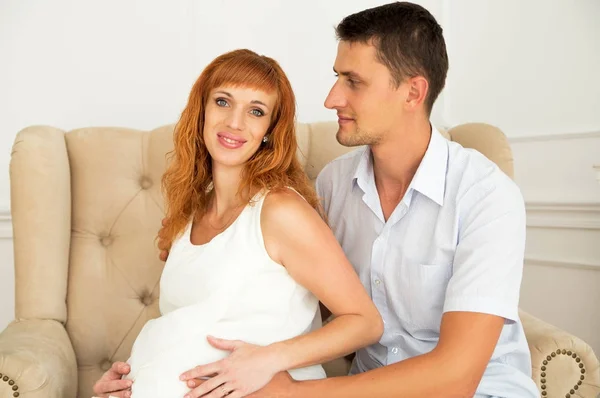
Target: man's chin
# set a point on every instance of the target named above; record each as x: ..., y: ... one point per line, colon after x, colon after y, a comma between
x: 346, y: 139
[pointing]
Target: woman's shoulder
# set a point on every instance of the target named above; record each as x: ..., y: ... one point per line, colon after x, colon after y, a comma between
x: 286, y: 207
x: 283, y: 199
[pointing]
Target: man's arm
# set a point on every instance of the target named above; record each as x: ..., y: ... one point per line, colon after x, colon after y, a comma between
x: 453, y: 369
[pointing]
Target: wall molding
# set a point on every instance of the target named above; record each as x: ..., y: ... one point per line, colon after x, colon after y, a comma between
x: 5, y: 224
x: 563, y: 215
x: 553, y: 136
x: 522, y: 136
x: 561, y: 264
x: 596, y: 168
x: 559, y: 215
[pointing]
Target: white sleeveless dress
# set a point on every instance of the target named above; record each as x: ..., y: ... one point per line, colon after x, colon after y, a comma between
x: 229, y: 288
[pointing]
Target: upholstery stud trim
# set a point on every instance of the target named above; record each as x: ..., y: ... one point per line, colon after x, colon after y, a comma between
x: 10, y: 382
x: 568, y: 354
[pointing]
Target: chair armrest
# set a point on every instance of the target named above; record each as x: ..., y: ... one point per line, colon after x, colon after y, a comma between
x: 562, y: 364
x: 37, y: 360
x: 40, y: 205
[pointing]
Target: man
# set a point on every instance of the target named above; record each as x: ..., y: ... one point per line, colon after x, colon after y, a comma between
x: 436, y: 232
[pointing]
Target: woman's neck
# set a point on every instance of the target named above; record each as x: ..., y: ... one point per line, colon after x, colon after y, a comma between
x: 226, y: 184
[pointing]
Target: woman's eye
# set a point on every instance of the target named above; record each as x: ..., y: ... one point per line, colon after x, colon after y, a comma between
x: 221, y: 102
x: 257, y: 112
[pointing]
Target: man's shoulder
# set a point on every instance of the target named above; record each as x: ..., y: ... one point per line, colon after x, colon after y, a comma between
x: 471, y: 176
x: 341, y: 167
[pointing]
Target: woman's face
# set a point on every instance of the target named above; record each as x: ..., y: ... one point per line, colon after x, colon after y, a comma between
x: 236, y: 120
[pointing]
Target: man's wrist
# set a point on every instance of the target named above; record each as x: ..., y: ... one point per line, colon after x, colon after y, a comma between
x: 298, y: 389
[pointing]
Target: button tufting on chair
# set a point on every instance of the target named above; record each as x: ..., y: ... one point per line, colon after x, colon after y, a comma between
x: 106, y: 240
x: 105, y: 365
x: 145, y: 183
x: 146, y: 299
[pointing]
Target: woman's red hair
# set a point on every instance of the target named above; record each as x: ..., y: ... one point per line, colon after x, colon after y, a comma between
x: 188, y: 177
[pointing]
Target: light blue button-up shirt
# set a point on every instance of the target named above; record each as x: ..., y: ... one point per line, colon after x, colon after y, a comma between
x: 454, y: 243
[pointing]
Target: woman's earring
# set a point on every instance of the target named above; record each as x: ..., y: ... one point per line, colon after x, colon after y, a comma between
x: 265, y: 139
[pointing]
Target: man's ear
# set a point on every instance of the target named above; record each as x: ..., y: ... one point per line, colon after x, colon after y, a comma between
x: 418, y: 88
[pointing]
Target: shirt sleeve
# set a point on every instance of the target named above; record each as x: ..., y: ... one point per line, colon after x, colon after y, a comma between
x: 488, y: 262
x: 323, y: 187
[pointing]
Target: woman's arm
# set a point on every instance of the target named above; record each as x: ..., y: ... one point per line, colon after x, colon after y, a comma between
x: 296, y: 237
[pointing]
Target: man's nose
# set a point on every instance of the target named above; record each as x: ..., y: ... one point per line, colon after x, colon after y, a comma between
x: 335, y: 99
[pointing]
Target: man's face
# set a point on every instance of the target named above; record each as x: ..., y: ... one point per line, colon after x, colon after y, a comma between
x: 367, y: 102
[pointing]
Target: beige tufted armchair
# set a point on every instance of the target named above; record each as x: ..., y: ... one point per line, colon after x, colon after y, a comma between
x: 86, y: 207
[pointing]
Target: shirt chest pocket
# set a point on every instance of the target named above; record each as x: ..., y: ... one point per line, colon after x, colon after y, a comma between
x: 425, y: 290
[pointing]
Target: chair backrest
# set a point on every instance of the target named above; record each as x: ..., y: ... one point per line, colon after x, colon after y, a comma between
x: 86, y: 208
x: 485, y: 138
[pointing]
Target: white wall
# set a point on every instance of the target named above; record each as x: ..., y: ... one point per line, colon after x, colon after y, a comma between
x: 527, y: 67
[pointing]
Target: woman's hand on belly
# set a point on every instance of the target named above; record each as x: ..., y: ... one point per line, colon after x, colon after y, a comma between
x: 247, y: 369
x: 281, y: 384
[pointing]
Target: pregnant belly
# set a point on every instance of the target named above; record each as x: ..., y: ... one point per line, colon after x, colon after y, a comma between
x: 156, y: 366
x: 159, y: 377
x: 176, y: 342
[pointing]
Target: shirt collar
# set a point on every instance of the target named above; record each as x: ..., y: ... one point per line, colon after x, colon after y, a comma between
x: 430, y: 178
x: 364, y: 169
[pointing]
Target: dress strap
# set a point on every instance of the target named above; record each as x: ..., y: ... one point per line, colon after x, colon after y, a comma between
x: 299, y: 194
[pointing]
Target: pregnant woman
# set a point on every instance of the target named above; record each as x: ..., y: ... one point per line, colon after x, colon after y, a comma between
x: 251, y: 257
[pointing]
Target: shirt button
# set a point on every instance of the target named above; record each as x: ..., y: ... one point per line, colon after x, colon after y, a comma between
x: 395, y: 350
x: 377, y: 281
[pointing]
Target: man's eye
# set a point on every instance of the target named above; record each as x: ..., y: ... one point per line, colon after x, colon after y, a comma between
x: 221, y: 102
x: 257, y: 112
